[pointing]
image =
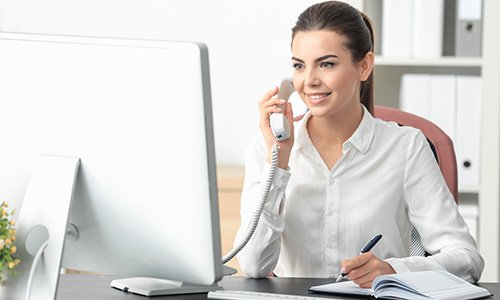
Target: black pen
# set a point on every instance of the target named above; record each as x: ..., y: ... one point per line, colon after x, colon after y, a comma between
x: 365, y: 249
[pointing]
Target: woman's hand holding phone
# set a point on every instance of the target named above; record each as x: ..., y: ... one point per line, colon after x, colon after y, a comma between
x: 268, y: 105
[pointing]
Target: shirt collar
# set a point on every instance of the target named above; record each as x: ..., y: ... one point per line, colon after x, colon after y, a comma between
x: 361, y: 139
x: 363, y: 136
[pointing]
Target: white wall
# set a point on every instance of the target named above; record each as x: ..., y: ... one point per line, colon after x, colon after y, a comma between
x: 248, y: 41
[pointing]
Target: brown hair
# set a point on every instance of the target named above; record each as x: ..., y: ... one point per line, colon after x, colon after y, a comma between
x: 346, y: 20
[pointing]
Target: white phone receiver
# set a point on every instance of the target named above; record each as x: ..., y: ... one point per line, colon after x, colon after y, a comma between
x: 279, y: 124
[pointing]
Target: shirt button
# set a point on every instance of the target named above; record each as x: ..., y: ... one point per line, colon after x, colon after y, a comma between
x: 330, y: 213
x: 332, y: 180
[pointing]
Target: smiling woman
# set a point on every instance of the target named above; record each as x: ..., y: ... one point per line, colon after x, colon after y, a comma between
x: 325, y: 69
x: 353, y: 177
x: 353, y: 32
x: 328, y: 79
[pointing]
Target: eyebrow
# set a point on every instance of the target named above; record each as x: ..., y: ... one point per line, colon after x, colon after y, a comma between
x: 317, y: 59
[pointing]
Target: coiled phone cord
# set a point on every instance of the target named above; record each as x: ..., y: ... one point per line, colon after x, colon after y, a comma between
x: 258, y: 211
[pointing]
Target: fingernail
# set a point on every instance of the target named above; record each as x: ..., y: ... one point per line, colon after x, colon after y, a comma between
x: 282, y: 101
x: 343, y: 271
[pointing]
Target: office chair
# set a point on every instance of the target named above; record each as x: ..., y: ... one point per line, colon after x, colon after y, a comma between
x: 441, y: 146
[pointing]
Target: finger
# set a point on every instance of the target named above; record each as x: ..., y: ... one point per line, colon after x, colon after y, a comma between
x: 359, y: 272
x: 289, y: 113
x: 366, y: 280
x: 273, y: 102
x: 265, y: 110
x: 298, y: 118
x: 269, y: 107
x: 355, y: 262
x: 268, y: 95
x: 365, y: 274
x: 366, y: 283
x: 272, y: 109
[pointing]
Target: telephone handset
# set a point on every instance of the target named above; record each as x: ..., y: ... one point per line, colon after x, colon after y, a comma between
x: 278, y: 122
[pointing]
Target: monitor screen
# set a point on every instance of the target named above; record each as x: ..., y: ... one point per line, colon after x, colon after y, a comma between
x: 138, y: 115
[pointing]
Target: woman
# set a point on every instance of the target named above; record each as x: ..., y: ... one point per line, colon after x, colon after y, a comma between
x: 344, y: 176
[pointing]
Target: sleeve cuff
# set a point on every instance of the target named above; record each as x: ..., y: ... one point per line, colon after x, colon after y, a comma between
x: 275, y: 199
x: 281, y: 176
x: 398, y: 265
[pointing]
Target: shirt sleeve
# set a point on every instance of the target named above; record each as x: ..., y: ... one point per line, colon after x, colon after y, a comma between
x: 434, y: 213
x: 260, y: 256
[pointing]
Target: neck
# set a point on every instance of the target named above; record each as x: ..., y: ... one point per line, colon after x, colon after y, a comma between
x: 337, y: 128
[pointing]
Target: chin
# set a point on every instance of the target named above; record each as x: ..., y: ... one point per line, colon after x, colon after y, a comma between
x: 318, y: 112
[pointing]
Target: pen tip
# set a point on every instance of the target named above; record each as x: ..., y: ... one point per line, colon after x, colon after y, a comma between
x: 339, y: 278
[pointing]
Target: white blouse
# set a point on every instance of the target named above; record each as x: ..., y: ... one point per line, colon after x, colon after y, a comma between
x: 386, y: 181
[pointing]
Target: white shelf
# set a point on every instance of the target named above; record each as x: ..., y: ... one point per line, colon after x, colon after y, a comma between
x: 431, y: 62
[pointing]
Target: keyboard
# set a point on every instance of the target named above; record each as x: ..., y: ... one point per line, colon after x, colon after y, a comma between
x: 245, y: 295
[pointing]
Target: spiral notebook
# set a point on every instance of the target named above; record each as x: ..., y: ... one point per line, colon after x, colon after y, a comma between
x: 413, y: 285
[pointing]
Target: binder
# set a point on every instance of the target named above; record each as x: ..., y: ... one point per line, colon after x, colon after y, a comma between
x: 468, y: 28
x: 373, y: 8
x: 467, y: 146
x: 443, y: 103
x: 397, y: 24
x: 428, y: 27
x: 415, y: 96
x: 449, y: 27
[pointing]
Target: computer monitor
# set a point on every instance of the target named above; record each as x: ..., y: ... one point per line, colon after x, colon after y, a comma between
x: 138, y: 115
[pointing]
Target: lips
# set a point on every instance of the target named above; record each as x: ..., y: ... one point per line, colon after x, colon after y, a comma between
x: 317, y: 98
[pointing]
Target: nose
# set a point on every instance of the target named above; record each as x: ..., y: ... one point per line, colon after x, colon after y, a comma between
x: 311, y: 79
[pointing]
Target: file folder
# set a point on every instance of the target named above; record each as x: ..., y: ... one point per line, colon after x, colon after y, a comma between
x: 415, y: 96
x: 443, y: 103
x: 468, y: 28
x: 428, y: 27
x: 397, y: 24
x: 449, y: 27
x: 467, y: 146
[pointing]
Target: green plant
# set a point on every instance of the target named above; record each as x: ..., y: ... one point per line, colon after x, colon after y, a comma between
x: 8, y: 249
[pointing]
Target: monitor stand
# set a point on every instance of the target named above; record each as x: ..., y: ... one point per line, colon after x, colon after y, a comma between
x: 41, y: 229
x: 147, y: 286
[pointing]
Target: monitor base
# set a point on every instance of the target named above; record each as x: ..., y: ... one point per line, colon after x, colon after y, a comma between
x: 43, y: 217
x: 147, y: 286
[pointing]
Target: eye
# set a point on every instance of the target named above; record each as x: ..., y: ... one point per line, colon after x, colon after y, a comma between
x: 326, y: 65
x: 297, y: 66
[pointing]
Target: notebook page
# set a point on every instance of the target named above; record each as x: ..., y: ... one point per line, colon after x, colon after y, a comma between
x: 433, y: 284
x: 395, y: 292
x: 430, y: 281
x: 344, y: 287
x: 466, y: 292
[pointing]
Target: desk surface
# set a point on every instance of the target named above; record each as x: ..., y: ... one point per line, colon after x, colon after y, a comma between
x: 79, y: 287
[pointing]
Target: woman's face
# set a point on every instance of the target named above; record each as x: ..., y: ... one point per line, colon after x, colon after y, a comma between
x: 324, y: 73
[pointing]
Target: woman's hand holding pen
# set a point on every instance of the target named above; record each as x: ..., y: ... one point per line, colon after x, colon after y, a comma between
x: 269, y: 105
x: 364, y: 268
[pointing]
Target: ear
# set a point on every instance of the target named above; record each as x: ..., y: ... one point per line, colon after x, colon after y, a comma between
x: 367, y: 66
